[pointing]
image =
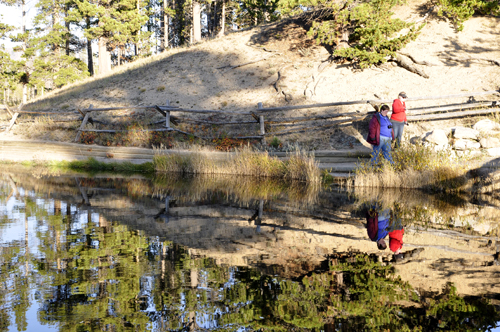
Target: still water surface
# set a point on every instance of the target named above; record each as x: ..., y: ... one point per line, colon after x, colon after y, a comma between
x: 80, y: 253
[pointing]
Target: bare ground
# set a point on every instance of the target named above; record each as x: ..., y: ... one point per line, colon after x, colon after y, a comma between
x: 201, y: 77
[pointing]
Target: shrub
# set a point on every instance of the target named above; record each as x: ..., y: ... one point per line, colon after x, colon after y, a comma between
x: 459, y: 11
x: 363, y: 32
x: 275, y: 143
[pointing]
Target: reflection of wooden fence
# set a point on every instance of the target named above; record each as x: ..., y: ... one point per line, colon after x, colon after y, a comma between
x: 295, y: 124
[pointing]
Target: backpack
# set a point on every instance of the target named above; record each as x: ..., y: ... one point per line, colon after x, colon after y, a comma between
x: 372, y: 224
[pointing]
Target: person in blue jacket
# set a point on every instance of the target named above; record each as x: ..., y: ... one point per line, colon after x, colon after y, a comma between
x: 382, y: 222
x: 380, y: 135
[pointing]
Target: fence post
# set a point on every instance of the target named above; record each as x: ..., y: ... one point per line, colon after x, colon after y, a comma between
x: 82, y: 126
x: 262, y: 128
x: 14, y: 118
x: 167, y: 116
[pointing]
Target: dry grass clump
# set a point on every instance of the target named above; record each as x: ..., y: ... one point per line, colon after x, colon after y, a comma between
x: 298, y: 166
x: 184, y: 163
x: 415, y: 166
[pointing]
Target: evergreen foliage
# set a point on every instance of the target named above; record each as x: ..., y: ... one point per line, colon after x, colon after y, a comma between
x: 459, y: 11
x: 4, y: 29
x: 10, y: 70
x: 363, y: 32
x: 253, y: 12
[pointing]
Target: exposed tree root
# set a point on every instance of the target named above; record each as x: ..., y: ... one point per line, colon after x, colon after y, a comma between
x: 406, y: 63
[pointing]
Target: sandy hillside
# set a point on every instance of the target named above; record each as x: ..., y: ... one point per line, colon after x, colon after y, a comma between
x: 236, y: 72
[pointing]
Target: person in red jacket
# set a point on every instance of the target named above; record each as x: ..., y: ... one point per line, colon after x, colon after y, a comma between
x: 380, y: 135
x: 398, y: 117
x: 396, y: 240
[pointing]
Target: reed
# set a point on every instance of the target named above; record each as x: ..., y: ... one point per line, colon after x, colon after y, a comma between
x: 298, y: 166
x: 415, y: 166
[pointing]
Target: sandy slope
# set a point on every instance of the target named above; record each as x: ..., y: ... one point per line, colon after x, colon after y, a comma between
x: 193, y: 78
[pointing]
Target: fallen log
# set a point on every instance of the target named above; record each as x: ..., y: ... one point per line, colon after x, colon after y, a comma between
x: 406, y: 63
x: 423, y: 63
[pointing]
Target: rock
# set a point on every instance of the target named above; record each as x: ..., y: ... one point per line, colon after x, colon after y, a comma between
x: 466, y: 144
x: 415, y: 140
x: 462, y: 132
x: 486, y: 126
x: 469, y: 153
x: 493, y: 152
x: 437, y: 136
x: 490, y: 142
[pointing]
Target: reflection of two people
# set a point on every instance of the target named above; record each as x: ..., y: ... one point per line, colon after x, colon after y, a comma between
x: 382, y: 222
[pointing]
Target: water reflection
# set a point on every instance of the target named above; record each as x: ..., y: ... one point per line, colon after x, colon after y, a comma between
x: 383, y: 221
x: 105, y: 253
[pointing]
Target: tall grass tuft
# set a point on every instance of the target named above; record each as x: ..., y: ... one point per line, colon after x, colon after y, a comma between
x: 298, y: 166
x: 183, y: 163
x: 415, y: 166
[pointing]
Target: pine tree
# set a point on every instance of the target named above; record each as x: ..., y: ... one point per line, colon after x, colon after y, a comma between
x: 362, y: 31
x: 51, y: 49
x: 118, y: 27
x: 253, y: 12
x: 459, y: 11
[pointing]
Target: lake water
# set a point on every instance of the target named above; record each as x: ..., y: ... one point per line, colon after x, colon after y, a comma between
x: 111, y: 253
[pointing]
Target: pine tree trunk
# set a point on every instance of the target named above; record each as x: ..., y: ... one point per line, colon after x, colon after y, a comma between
x: 166, y: 28
x: 68, y: 31
x: 196, y: 21
x: 215, y: 18
x: 25, y: 93
x: 223, y: 20
x: 104, y: 57
x: 55, y: 21
x: 90, y: 58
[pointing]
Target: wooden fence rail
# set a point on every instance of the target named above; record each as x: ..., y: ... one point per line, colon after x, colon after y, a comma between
x: 258, y: 115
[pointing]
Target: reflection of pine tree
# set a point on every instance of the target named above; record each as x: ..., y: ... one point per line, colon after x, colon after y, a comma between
x: 95, y: 274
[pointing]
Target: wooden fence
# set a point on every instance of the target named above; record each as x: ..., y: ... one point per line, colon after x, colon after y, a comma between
x: 264, y: 116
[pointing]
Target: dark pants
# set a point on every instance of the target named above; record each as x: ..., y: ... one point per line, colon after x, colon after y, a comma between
x: 398, y: 131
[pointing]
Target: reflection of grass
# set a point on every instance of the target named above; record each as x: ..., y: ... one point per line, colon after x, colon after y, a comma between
x: 415, y: 207
x: 94, y: 166
x: 240, y: 189
x: 298, y: 166
x: 416, y: 166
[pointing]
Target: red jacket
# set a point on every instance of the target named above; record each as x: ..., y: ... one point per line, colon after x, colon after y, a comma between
x: 398, y: 111
x: 374, y: 130
x: 396, y: 239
